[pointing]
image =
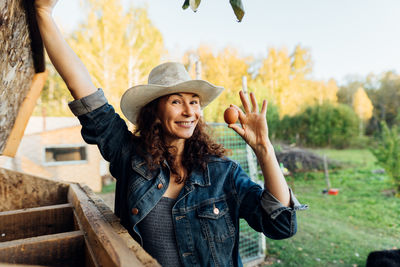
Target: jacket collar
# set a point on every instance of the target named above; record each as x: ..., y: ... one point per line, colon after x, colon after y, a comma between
x: 200, y: 177
x: 140, y: 166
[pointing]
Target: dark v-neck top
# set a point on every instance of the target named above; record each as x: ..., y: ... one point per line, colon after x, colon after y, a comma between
x: 158, y: 234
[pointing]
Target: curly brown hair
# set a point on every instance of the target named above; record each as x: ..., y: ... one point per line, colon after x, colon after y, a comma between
x: 149, y: 137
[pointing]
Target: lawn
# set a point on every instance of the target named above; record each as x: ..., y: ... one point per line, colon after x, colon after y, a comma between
x: 341, y: 230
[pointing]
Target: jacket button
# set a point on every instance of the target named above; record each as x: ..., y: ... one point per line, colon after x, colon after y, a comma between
x: 216, y: 211
x: 135, y: 211
x: 160, y: 185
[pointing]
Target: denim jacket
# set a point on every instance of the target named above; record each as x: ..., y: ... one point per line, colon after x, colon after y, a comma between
x: 207, y: 211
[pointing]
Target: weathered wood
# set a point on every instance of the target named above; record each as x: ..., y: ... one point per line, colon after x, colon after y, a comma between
x: 64, y: 249
x: 24, y: 113
x: 113, y: 220
x: 16, y: 62
x: 20, y: 191
x: 18, y: 224
x: 105, y: 243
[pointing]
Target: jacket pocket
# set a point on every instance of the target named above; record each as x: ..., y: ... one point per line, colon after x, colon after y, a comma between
x: 215, y: 222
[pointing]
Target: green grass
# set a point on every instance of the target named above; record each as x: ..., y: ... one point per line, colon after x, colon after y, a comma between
x: 341, y: 230
x: 110, y: 188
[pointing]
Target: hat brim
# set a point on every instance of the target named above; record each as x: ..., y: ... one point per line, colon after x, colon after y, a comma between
x: 135, y: 98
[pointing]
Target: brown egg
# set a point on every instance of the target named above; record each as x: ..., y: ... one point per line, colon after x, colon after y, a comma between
x: 231, y: 115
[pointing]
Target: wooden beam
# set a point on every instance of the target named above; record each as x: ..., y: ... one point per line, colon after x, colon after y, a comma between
x: 109, y: 248
x: 24, y: 113
x: 65, y: 249
x: 20, y: 191
x: 18, y: 224
x: 122, y: 232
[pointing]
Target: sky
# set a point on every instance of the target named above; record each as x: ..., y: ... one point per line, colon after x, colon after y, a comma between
x: 345, y: 37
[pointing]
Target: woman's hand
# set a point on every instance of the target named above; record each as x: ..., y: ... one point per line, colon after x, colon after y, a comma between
x: 46, y: 6
x: 254, y: 131
x: 254, y: 128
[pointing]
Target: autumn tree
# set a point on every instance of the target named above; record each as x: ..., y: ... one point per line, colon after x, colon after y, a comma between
x: 119, y: 48
x: 55, y: 96
x: 224, y: 68
x: 386, y: 97
x: 286, y: 79
x: 362, y: 106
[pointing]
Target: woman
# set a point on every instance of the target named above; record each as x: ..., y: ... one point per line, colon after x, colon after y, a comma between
x: 176, y: 193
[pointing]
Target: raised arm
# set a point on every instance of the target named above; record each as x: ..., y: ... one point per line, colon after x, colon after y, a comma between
x: 255, y: 132
x: 66, y: 62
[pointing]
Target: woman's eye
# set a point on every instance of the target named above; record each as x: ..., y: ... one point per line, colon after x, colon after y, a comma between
x: 176, y: 101
x: 194, y: 102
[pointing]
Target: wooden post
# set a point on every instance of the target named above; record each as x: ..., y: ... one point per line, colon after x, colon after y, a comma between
x: 24, y: 113
x: 328, y: 183
x: 244, y: 84
x: 198, y: 69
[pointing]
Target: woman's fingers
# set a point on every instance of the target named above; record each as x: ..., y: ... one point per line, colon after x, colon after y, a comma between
x: 245, y: 101
x: 237, y: 129
x: 241, y: 113
x: 246, y: 104
x: 253, y: 102
x: 264, y: 108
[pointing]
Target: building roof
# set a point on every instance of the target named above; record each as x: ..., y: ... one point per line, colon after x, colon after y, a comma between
x: 38, y: 124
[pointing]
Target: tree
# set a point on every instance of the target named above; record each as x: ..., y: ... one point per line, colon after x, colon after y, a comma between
x: 55, y: 95
x: 225, y: 68
x: 118, y: 48
x: 287, y: 78
x: 387, y: 153
x: 386, y: 98
x: 321, y: 125
x: 362, y: 106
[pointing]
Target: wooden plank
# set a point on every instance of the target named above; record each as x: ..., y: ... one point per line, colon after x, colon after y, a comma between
x: 65, y: 249
x: 24, y: 113
x: 122, y: 232
x: 33, y: 222
x: 21, y: 190
x: 109, y: 248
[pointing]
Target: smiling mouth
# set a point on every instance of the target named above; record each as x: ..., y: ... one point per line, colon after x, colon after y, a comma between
x: 185, y: 123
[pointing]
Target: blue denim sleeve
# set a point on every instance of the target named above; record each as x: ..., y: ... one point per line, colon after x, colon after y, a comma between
x: 102, y: 126
x: 262, y: 211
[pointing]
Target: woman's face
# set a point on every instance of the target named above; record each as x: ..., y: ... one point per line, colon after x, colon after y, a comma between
x: 179, y: 114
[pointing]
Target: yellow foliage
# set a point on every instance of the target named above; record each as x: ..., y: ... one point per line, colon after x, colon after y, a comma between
x: 285, y: 76
x: 225, y: 69
x: 282, y: 79
x: 118, y: 48
x: 362, y: 105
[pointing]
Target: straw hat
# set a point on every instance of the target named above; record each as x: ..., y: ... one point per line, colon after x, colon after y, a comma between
x: 165, y: 79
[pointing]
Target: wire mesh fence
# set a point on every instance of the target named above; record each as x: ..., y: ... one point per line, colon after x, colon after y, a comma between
x: 250, y: 242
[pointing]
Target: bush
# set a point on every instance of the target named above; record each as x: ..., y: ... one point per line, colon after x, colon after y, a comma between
x: 273, y: 120
x: 387, y: 153
x: 321, y: 125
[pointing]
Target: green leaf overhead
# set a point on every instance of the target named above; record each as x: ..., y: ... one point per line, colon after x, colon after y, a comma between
x: 185, y: 4
x: 194, y: 4
x: 237, y: 7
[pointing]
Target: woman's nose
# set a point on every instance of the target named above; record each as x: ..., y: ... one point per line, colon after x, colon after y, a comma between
x: 188, y: 110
